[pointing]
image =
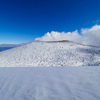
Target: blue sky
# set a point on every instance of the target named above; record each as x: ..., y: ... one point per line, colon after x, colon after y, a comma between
x: 24, y: 20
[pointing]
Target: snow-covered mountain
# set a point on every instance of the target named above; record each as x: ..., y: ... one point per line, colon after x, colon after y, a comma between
x: 50, y: 53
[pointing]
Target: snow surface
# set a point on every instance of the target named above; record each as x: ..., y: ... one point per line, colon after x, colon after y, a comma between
x: 50, y: 83
x: 61, y: 53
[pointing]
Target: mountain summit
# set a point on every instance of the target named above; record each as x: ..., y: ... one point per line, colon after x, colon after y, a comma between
x: 50, y: 53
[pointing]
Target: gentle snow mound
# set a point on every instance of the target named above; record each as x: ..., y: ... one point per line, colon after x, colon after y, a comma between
x: 51, y: 53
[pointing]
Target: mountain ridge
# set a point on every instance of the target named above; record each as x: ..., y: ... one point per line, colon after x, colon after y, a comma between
x: 50, y: 53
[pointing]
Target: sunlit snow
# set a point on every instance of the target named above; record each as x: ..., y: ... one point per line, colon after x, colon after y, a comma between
x: 58, y: 53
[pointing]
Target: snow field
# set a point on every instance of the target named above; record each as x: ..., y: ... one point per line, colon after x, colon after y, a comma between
x: 50, y: 83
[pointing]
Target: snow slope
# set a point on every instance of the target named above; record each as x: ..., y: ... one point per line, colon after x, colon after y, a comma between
x: 50, y: 83
x: 54, y: 53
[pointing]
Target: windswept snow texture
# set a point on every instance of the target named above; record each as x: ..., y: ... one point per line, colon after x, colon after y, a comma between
x: 58, y: 53
x: 50, y: 83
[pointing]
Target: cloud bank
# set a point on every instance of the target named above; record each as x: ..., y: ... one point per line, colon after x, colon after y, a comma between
x: 89, y: 36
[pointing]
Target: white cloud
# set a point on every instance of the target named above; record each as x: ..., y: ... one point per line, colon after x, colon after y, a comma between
x: 90, y: 36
